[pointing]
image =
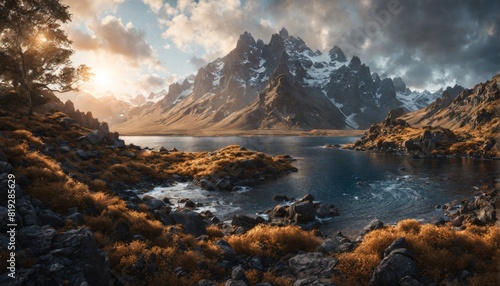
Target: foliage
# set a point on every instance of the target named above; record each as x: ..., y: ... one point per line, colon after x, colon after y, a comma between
x: 34, y: 50
x: 265, y: 240
x: 475, y: 249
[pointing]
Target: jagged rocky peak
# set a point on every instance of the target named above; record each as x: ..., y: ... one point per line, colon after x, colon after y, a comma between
x: 336, y: 54
x: 355, y: 63
x: 399, y: 84
x: 245, y: 40
x: 283, y: 33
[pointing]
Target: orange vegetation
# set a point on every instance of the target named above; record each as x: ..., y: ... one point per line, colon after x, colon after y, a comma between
x: 440, y: 252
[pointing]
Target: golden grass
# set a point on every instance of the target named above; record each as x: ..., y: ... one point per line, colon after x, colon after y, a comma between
x: 265, y: 240
x: 440, y: 252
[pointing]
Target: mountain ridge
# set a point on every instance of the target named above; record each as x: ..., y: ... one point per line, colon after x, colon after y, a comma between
x: 231, y: 84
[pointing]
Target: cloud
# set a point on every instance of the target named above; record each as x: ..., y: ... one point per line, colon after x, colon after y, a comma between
x: 428, y: 43
x: 150, y: 82
x: 82, y: 41
x: 125, y: 40
x: 197, y: 62
x: 154, y: 5
x: 85, y: 9
x: 212, y: 25
x: 110, y: 35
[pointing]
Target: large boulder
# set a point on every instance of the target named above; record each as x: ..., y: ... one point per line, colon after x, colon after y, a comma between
x: 37, y: 240
x: 398, y: 266
x: 312, y: 266
x: 191, y: 221
x: 95, y: 137
x: 302, y: 212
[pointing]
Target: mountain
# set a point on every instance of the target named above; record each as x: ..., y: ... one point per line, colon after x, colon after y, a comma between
x: 107, y: 108
x: 463, y: 122
x: 325, y: 91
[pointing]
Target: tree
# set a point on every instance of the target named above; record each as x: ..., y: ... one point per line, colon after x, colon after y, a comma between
x: 34, y: 51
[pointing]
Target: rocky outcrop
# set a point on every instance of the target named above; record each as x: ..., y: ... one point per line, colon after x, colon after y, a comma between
x: 483, y: 209
x: 397, y: 268
x: 72, y: 256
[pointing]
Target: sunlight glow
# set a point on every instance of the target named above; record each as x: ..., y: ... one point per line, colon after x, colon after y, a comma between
x: 103, y: 78
x: 42, y: 39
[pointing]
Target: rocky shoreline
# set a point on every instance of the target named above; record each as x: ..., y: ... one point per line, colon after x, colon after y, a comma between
x: 395, y: 135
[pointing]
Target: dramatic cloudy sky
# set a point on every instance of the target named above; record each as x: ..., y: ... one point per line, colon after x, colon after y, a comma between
x: 144, y: 45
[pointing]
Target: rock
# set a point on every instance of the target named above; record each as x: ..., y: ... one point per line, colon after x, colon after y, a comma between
x: 279, y: 211
x: 155, y: 204
x: 193, y: 222
x: 397, y: 243
x: 393, y: 268
x: 238, y: 273
x: 409, y: 281
x: 302, y: 212
x: 374, y: 224
x: 76, y: 218
x: 235, y: 283
x: 206, y: 184
x: 312, y: 265
x: 281, y: 198
x: 119, y: 143
x: 52, y: 219
x: 36, y: 239
x: 323, y: 211
x: 89, y: 263
x: 255, y: 263
x: 224, y: 184
x: 189, y: 204
x: 227, y: 251
x: 66, y: 122
x: 82, y: 154
x: 328, y: 246
x: 27, y: 212
x: 128, y: 154
x: 244, y: 221
x: 307, y: 198
x: 487, y: 214
x: 311, y: 281
x: 4, y: 218
x: 205, y: 282
x: 95, y: 137
x: 5, y: 168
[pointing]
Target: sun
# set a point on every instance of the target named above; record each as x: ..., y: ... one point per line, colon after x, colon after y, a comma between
x: 103, y: 78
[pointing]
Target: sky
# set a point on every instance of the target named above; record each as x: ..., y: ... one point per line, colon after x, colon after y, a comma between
x: 139, y: 46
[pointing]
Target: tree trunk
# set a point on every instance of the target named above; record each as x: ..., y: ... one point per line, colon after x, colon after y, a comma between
x: 28, y: 94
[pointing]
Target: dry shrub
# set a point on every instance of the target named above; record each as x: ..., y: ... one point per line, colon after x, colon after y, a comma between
x: 60, y: 195
x: 264, y: 240
x: 101, y: 224
x: 254, y: 276
x: 101, y: 201
x: 140, y: 224
x: 98, y: 185
x: 28, y: 136
x: 441, y: 252
x: 214, y: 231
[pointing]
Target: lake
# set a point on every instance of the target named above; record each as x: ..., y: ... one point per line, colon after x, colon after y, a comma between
x: 362, y: 185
